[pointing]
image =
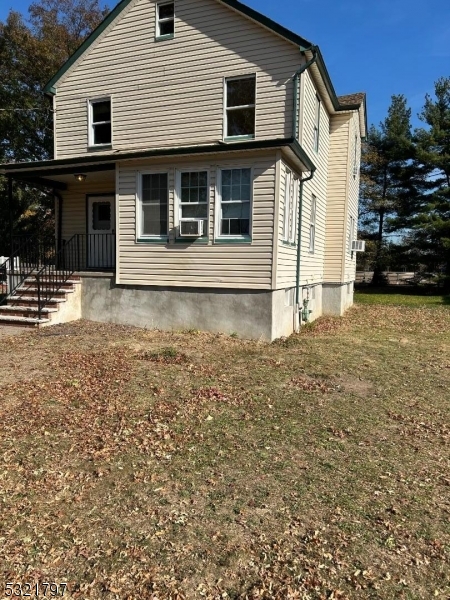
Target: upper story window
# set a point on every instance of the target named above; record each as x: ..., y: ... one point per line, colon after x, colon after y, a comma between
x: 312, y: 225
x: 153, y: 205
x: 240, y: 101
x: 317, y: 125
x: 100, y: 130
x: 165, y: 20
x: 235, y: 195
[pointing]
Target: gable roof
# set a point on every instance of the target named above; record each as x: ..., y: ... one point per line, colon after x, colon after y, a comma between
x: 350, y: 102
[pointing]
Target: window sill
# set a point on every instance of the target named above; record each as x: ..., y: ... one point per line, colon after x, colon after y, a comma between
x: 192, y: 240
x: 152, y: 240
x: 233, y: 240
x: 163, y: 38
x: 288, y: 244
x: 239, y: 138
x: 99, y: 147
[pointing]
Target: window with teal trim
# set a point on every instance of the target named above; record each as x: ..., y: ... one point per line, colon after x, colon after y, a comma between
x: 194, y: 197
x: 240, y: 107
x: 235, y: 205
x: 154, y: 204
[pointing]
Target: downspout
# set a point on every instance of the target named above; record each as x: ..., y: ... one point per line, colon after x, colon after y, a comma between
x: 303, y: 68
x: 299, y: 243
x: 296, y: 78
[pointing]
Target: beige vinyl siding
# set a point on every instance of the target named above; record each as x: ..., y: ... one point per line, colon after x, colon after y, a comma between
x: 311, y: 264
x: 338, y: 182
x: 171, y: 93
x: 74, y: 203
x: 218, y: 265
x: 353, y: 194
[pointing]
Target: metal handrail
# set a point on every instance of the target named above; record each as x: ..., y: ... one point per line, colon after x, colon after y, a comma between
x: 54, y: 275
x: 30, y: 255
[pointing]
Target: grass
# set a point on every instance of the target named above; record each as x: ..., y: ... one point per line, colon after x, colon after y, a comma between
x: 143, y: 464
x: 414, y: 297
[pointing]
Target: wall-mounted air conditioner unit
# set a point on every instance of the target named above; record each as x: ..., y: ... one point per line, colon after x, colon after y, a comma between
x: 191, y: 228
x: 358, y: 246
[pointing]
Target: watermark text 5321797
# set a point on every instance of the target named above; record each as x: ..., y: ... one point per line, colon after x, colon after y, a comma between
x: 35, y: 590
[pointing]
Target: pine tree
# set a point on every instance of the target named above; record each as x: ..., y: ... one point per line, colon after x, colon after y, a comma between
x: 387, y: 177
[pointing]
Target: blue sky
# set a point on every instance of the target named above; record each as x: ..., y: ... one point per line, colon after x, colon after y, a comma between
x: 382, y: 47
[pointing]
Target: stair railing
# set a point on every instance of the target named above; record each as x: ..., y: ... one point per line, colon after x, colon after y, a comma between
x: 28, y: 257
x: 55, y: 274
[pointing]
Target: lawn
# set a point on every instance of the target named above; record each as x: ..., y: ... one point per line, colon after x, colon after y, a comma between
x: 401, y: 296
x: 139, y: 464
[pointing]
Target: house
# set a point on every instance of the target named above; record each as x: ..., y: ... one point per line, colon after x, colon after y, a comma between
x: 205, y: 173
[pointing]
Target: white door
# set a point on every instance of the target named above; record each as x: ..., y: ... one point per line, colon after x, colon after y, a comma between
x: 100, y: 246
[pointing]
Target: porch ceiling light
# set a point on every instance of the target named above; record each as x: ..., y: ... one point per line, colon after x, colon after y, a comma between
x: 80, y: 177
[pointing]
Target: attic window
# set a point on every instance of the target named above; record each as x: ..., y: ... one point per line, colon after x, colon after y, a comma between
x: 100, y: 122
x: 165, y: 25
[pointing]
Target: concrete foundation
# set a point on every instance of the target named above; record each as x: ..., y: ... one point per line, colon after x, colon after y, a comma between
x: 266, y: 315
x: 246, y: 313
x: 337, y: 298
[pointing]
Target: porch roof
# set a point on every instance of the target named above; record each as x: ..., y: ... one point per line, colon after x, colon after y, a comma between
x: 50, y: 173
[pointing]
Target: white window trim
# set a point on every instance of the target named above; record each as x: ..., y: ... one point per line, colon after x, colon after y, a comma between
x: 226, y: 109
x: 218, y: 205
x: 351, y: 233
x: 312, y: 224
x: 355, y: 158
x: 316, y: 131
x: 287, y: 204
x: 177, y: 211
x: 90, y: 103
x: 138, y: 206
x: 158, y: 34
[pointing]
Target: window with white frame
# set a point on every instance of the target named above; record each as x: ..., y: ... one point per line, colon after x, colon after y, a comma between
x: 100, y: 131
x: 192, y: 195
x: 240, y: 107
x: 317, y: 125
x: 355, y: 158
x: 235, y: 202
x: 153, y: 200
x: 165, y: 20
x: 291, y: 190
x: 351, y: 233
x: 312, y: 224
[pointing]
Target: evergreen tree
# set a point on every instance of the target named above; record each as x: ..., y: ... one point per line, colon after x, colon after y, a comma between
x: 387, y: 177
x: 430, y: 221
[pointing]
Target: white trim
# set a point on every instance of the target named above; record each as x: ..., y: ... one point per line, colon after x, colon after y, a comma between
x: 252, y: 75
x: 158, y: 34
x: 90, y: 102
x: 177, y: 198
x: 312, y: 224
x: 218, y: 204
x: 138, y: 233
x: 287, y: 203
x: 55, y: 145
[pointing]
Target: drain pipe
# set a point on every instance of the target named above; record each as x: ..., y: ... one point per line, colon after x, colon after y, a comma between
x: 299, y: 244
x: 296, y: 78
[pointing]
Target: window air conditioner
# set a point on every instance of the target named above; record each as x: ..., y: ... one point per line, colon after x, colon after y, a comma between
x: 358, y: 246
x: 191, y: 227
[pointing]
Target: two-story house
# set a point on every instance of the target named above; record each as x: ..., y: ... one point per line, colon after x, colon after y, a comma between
x: 202, y: 155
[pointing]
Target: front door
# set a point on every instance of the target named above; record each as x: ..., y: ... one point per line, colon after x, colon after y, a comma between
x: 100, y: 246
